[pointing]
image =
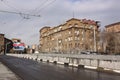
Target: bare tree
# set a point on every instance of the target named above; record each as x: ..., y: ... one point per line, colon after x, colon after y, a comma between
x: 113, y: 42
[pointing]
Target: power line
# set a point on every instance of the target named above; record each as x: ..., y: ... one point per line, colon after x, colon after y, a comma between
x: 42, y: 4
x: 24, y: 15
x: 6, y: 3
x: 45, y: 5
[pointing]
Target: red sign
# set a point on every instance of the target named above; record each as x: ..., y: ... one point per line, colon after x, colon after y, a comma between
x: 18, y: 44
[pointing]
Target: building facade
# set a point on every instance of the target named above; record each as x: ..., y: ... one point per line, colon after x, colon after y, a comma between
x: 113, y: 38
x: 8, y: 45
x: 5, y: 44
x: 73, y: 36
x: 2, y: 43
x: 115, y: 27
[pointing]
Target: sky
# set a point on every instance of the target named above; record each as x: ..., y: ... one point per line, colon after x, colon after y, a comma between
x: 52, y: 13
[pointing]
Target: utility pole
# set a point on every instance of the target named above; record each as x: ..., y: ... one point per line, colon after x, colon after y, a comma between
x: 94, y: 36
x: 84, y: 37
x: 57, y: 46
x: 94, y: 39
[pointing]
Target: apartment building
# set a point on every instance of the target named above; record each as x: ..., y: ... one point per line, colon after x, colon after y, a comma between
x: 113, y: 38
x: 115, y: 27
x: 73, y: 36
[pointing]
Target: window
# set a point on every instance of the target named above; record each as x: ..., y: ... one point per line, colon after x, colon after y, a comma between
x: 70, y: 45
x: 81, y: 26
x: 77, y: 32
x: 76, y: 45
x: 59, y: 41
x: 69, y: 39
x: 52, y: 39
x: 82, y: 39
x: 69, y: 32
x: 76, y: 25
x: 65, y: 40
x: 82, y: 32
x: 55, y: 30
x: 60, y: 28
x: 75, y: 38
x: 70, y: 25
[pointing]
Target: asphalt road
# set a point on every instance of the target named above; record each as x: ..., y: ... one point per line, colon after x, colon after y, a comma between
x: 33, y: 70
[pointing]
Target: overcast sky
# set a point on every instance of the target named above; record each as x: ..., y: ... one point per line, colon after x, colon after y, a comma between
x: 53, y: 13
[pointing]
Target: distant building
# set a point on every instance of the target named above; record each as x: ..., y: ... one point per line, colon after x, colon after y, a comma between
x: 5, y: 44
x: 8, y: 45
x: 2, y: 43
x: 73, y: 36
x: 113, y: 38
x: 16, y: 40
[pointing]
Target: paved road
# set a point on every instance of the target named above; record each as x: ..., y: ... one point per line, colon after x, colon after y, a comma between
x: 32, y: 70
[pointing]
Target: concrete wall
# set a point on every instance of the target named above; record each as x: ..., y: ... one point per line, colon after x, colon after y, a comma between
x: 104, y: 62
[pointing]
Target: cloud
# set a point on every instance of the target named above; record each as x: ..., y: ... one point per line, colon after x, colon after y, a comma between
x: 52, y: 14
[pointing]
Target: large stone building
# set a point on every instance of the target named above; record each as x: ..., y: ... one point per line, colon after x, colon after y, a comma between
x: 113, y: 38
x: 73, y: 36
x: 1, y: 43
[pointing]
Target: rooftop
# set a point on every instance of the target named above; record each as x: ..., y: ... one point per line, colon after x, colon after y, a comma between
x: 110, y: 25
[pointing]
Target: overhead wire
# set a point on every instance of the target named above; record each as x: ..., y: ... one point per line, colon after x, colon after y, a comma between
x: 5, y: 2
x: 19, y: 23
x: 42, y: 6
x: 39, y: 6
x: 45, y: 6
x: 19, y: 13
x: 24, y: 15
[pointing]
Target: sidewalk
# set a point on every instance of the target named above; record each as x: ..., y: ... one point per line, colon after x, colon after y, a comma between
x: 6, y: 74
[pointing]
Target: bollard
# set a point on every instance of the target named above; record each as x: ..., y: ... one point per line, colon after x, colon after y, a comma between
x: 55, y: 62
x: 80, y: 66
x: 47, y: 61
x: 41, y: 60
x: 66, y: 64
